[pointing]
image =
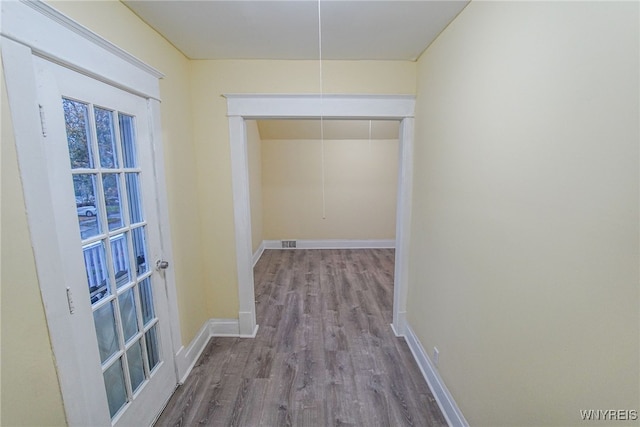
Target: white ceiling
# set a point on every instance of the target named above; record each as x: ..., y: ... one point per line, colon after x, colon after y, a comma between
x: 332, y: 129
x: 288, y: 29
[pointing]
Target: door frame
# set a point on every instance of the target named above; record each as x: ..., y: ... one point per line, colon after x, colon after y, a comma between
x: 242, y: 107
x: 33, y: 28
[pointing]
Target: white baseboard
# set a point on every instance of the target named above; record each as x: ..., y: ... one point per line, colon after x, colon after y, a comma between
x: 395, y: 331
x: 258, y: 253
x: 333, y: 244
x: 224, y: 328
x: 399, y: 326
x: 440, y: 392
x: 247, y: 324
x: 186, y: 357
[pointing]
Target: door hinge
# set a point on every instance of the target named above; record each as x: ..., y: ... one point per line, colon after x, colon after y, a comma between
x: 42, y: 121
x: 70, y: 301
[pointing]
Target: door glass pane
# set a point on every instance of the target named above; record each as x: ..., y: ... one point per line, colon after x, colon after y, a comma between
x: 84, y: 186
x: 106, y: 331
x: 140, y: 250
x: 95, y: 264
x: 114, y: 384
x: 146, y: 300
x: 128, y: 314
x: 102, y: 153
x: 76, y: 118
x: 136, y: 368
x: 127, y: 138
x: 111, y: 185
x: 120, y: 258
x: 152, y: 347
x: 133, y: 192
x: 106, y: 138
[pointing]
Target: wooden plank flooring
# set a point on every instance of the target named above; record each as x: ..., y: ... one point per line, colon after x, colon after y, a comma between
x: 324, y: 354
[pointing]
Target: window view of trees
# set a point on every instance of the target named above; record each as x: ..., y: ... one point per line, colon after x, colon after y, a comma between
x: 76, y: 116
x: 82, y: 155
x: 106, y: 138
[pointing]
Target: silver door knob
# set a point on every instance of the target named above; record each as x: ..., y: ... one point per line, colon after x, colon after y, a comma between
x: 162, y: 265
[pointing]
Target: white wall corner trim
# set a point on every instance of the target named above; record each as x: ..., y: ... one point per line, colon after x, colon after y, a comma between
x: 440, y: 392
x: 333, y: 244
x: 247, y: 324
x: 258, y: 253
x: 403, y: 224
x: 399, y: 328
x: 242, y: 221
x: 224, y: 328
x: 186, y: 357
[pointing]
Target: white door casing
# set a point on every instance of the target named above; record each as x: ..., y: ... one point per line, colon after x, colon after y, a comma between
x: 241, y: 107
x: 33, y: 30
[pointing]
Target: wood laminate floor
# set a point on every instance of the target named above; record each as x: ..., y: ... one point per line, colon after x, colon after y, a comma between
x: 324, y: 354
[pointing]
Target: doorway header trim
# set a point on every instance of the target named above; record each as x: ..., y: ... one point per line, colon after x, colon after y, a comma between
x: 288, y: 106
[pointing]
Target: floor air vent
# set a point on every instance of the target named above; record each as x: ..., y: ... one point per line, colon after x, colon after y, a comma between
x: 288, y: 244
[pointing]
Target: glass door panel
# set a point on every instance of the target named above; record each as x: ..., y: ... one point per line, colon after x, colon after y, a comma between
x: 113, y: 232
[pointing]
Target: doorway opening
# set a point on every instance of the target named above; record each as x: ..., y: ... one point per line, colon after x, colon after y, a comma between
x: 364, y: 107
x: 327, y: 184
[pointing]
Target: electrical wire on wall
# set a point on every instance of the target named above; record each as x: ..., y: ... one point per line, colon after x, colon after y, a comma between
x: 324, y: 201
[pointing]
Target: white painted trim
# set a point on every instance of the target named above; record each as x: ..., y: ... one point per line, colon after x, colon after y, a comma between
x: 87, y: 34
x: 399, y: 327
x: 21, y: 85
x: 403, y: 223
x: 164, y: 224
x: 255, y: 106
x: 333, y: 244
x: 224, y: 328
x: 247, y: 323
x: 258, y: 253
x: 186, y: 358
x: 393, y: 329
x: 54, y: 36
x: 329, y: 106
x: 242, y: 216
x: 445, y: 401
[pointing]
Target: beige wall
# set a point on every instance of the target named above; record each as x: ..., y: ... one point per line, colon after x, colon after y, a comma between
x: 211, y: 79
x: 30, y: 393
x: 360, y: 189
x: 254, y: 154
x: 524, y: 251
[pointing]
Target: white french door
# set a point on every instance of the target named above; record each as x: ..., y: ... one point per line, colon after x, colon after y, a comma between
x: 103, y: 186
